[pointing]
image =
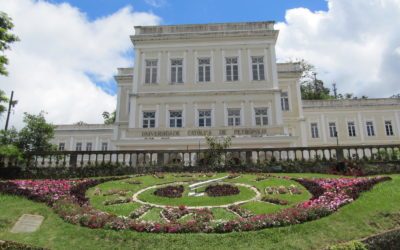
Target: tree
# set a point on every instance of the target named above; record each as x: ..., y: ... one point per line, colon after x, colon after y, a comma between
x: 311, y: 87
x: 6, y: 38
x: 213, y: 155
x: 109, y: 118
x: 80, y: 123
x: 36, y: 134
x: 3, y: 99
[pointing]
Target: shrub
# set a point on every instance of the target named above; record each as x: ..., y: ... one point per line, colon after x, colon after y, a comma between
x: 221, y: 190
x: 244, y: 213
x: 139, y: 212
x: 134, y: 182
x: 173, y: 213
x: 275, y: 200
x: 170, y: 191
x: 119, y: 200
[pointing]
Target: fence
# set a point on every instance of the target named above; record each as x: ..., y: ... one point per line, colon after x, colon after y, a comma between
x: 198, y: 157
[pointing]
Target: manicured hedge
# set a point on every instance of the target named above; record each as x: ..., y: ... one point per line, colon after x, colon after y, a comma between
x: 350, y: 168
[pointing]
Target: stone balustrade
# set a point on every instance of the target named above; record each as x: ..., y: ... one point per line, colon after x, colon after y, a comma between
x: 247, y: 156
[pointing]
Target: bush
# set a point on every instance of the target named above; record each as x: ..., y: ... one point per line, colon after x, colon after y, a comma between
x: 11, y: 152
x: 170, y: 191
x: 275, y: 200
x: 221, y: 190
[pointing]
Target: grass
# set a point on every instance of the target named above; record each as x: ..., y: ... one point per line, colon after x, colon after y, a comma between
x: 223, y: 214
x: 373, y: 212
x: 153, y: 215
x: 259, y: 207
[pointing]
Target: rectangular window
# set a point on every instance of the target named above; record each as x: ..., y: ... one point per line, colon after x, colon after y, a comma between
x: 149, y: 119
x: 232, y: 69
x: 257, y: 66
x: 176, y: 71
x: 351, y: 127
x: 389, y: 128
x: 233, y: 117
x: 89, y: 146
x: 104, y: 146
x: 78, y: 146
x: 332, y: 129
x: 151, y: 71
x: 61, y: 146
x: 261, y: 116
x: 205, y: 118
x: 175, y: 119
x: 314, y: 130
x: 285, y: 101
x: 204, y: 70
x: 370, y: 128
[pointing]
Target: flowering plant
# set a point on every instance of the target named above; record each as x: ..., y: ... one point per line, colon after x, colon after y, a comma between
x: 170, y: 191
x: 222, y: 190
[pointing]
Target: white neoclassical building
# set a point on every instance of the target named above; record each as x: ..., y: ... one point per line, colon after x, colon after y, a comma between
x: 223, y: 79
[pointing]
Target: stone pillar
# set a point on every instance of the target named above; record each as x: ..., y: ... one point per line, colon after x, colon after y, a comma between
x: 160, y: 159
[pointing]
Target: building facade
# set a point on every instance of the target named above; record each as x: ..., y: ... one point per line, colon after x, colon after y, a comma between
x: 190, y: 81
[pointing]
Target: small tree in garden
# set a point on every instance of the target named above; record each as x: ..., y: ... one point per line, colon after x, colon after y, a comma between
x: 213, y: 155
x: 36, y: 134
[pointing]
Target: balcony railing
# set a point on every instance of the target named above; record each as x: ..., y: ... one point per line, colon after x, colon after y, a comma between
x: 190, y: 158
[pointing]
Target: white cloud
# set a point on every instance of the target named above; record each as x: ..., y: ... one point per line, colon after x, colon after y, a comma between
x: 59, y: 49
x: 156, y: 3
x: 353, y: 43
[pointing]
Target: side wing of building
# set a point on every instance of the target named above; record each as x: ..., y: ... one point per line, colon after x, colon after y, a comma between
x: 354, y: 122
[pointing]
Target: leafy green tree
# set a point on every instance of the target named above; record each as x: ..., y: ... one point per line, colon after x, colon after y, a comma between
x: 3, y: 99
x: 109, y: 118
x: 311, y: 87
x: 6, y: 38
x: 213, y: 155
x: 9, y: 137
x: 36, y: 134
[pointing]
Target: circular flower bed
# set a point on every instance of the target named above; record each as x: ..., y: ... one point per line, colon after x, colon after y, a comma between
x: 67, y: 198
x: 222, y: 190
x: 170, y: 191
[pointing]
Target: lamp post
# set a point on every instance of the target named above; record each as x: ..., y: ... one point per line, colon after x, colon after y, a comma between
x: 11, y: 104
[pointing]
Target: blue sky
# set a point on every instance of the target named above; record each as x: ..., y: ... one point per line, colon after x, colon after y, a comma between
x: 193, y: 11
x: 200, y: 11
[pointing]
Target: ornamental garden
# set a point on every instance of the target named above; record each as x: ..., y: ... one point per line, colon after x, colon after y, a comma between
x: 193, y: 202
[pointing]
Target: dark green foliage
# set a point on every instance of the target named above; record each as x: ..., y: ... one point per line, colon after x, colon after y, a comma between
x: 3, y: 99
x: 213, y: 155
x: 15, y: 245
x: 36, y: 134
x: 109, y: 118
x: 6, y: 38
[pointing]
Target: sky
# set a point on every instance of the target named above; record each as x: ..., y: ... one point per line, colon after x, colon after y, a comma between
x: 70, y: 49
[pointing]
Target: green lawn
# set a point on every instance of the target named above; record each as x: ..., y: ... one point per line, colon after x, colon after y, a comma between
x: 373, y: 212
